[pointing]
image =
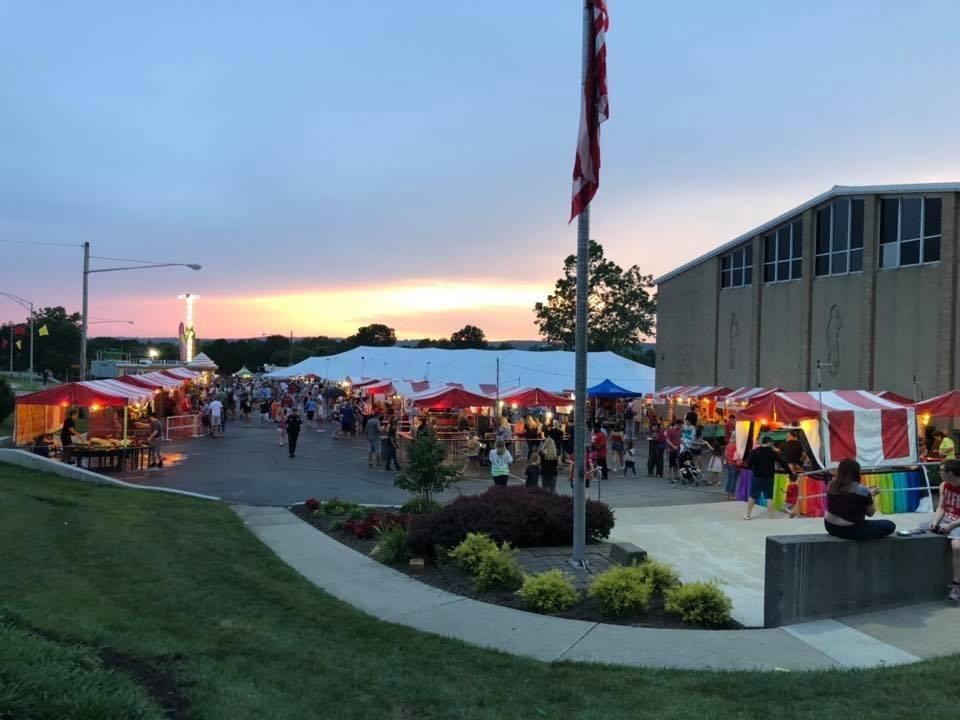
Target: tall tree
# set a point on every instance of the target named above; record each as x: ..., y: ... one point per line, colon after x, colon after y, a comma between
x: 469, y: 336
x: 375, y: 335
x: 621, y: 311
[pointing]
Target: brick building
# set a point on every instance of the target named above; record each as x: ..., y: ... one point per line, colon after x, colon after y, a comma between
x: 860, y: 279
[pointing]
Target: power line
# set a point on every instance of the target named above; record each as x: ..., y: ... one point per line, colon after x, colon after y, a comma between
x: 38, y: 242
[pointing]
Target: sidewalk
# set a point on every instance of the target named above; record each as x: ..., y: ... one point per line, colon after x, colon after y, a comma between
x: 885, y: 638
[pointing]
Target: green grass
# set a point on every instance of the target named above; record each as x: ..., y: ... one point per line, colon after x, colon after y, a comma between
x: 182, y: 585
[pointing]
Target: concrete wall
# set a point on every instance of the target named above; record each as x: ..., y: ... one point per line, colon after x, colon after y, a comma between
x: 906, y: 328
x: 781, y: 336
x: 735, y: 337
x: 836, y: 322
x: 686, y: 323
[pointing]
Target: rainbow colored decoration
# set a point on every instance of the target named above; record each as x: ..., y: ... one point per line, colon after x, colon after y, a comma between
x: 902, y: 491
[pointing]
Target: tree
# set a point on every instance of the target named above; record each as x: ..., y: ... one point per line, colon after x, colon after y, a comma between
x: 375, y: 335
x: 57, y: 350
x: 620, y: 308
x: 7, y: 399
x: 469, y: 336
x: 425, y: 473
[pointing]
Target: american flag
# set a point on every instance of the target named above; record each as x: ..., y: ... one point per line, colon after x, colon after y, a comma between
x: 593, y: 111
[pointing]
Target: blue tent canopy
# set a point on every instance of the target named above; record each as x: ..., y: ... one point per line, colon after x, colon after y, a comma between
x: 609, y: 389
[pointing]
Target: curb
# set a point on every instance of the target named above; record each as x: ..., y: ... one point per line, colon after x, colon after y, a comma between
x: 22, y: 458
x: 391, y: 596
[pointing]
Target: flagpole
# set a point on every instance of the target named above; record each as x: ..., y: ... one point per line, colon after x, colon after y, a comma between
x: 580, y: 379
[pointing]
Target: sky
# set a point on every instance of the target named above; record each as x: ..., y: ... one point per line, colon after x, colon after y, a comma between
x: 333, y: 164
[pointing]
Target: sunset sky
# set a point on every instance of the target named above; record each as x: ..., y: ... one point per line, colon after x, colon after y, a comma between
x: 334, y: 164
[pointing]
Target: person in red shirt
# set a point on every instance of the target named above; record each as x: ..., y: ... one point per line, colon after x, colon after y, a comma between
x: 672, y: 437
x: 730, y: 428
x: 793, y: 495
x: 600, y: 442
x: 946, y: 520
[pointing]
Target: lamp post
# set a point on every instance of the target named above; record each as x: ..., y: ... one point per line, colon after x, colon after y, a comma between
x: 27, y: 305
x: 86, y: 273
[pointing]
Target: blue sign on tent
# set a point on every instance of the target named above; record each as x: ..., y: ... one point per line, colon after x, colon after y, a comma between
x: 609, y: 389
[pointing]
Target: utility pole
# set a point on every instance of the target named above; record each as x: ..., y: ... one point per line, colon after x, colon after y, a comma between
x: 291, y: 347
x: 83, y: 319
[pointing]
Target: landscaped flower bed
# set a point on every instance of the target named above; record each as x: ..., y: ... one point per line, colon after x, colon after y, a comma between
x: 627, y: 596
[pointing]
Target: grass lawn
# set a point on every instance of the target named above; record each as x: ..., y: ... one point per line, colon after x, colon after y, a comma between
x: 112, y: 600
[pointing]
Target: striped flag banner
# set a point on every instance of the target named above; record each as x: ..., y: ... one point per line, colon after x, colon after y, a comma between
x: 594, y: 109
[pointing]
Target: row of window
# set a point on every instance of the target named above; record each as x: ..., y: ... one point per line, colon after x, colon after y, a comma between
x: 910, y: 234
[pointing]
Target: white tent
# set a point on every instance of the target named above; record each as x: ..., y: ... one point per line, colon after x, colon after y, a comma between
x: 202, y: 362
x: 552, y: 370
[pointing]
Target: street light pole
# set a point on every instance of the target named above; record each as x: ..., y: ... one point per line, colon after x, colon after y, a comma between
x: 83, y: 319
x: 86, y: 273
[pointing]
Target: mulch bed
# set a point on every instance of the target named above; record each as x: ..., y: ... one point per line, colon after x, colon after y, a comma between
x: 449, y: 577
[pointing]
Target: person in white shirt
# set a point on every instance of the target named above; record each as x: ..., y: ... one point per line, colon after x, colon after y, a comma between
x: 500, y: 459
x: 216, y: 417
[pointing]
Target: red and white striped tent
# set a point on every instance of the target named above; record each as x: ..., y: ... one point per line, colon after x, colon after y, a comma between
x: 181, y: 373
x: 152, y: 380
x: 874, y: 431
x: 748, y: 394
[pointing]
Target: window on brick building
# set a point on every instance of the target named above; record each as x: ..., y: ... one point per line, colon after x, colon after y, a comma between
x: 783, y: 253
x: 736, y: 268
x: 839, y: 245
x: 909, y: 231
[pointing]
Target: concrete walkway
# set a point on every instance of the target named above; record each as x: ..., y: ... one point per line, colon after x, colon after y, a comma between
x: 877, y: 639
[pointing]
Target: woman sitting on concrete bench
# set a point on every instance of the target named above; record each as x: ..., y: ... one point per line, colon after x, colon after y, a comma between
x: 849, y: 504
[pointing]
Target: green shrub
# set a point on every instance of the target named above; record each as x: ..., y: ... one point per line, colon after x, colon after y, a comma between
x: 548, y: 592
x: 338, y: 507
x: 357, y: 513
x: 699, y: 603
x: 468, y: 553
x: 420, y: 506
x: 498, y: 569
x: 337, y: 525
x: 391, y: 548
x: 659, y: 576
x: 621, y: 591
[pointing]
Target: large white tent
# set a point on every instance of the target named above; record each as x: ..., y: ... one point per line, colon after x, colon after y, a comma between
x: 551, y: 370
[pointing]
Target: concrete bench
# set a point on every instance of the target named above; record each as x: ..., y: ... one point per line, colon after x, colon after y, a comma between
x: 811, y: 577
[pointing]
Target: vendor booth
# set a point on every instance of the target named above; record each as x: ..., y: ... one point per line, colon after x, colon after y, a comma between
x: 608, y: 401
x: 833, y: 425
x: 111, y: 407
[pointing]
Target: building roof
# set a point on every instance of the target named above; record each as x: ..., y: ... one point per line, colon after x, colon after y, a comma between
x: 835, y: 191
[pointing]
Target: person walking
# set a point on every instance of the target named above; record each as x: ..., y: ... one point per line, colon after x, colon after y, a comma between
x: 630, y: 459
x: 672, y: 438
x: 617, y: 447
x: 655, y: 446
x: 732, y: 468
x: 549, y: 462
x: 600, y: 445
x: 293, y: 423
x: 532, y: 434
x: 390, y: 447
x: 372, y: 431
x: 500, y: 459
x: 763, y: 462
x: 154, y: 459
x: 532, y: 471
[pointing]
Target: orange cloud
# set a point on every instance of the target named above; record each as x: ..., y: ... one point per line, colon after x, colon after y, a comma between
x: 428, y: 308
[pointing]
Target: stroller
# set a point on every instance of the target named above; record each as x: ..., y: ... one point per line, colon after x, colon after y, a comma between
x: 689, y: 466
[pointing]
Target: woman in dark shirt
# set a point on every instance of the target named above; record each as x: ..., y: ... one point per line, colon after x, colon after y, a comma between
x: 849, y: 504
